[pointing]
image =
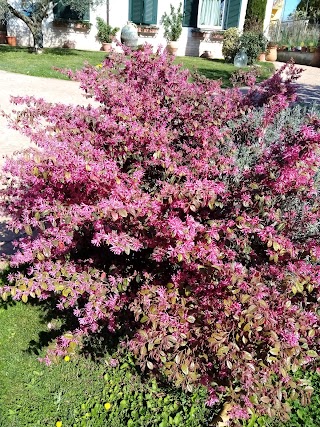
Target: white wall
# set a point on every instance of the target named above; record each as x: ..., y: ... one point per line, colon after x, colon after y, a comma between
x: 190, y: 43
x: 267, y: 17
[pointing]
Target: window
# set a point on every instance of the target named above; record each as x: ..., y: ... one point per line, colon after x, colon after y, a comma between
x: 143, y: 11
x: 211, y: 13
x: 63, y: 12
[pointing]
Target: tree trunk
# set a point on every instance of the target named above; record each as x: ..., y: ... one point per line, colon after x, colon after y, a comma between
x: 34, y: 22
x: 37, y: 33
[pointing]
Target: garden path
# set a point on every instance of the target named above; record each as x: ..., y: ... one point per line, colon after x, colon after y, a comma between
x: 52, y: 90
x: 308, y: 84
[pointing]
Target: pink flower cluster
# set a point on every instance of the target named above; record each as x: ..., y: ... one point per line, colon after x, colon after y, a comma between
x: 172, y: 211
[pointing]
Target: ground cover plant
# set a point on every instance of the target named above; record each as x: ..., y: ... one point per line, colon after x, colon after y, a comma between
x: 181, y: 217
x: 301, y: 414
x: 20, y: 60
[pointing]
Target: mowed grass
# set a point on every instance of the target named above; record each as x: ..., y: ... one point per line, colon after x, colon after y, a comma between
x: 31, y: 393
x: 216, y: 69
x: 20, y: 60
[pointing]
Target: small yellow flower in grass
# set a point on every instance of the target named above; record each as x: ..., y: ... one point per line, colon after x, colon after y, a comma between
x: 67, y: 358
x: 107, y: 406
x: 59, y: 424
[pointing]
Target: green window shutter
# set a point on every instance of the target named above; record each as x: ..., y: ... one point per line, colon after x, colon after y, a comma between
x: 136, y: 11
x: 233, y: 13
x: 190, y: 13
x: 150, y: 11
x: 58, y: 10
x: 86, y: 15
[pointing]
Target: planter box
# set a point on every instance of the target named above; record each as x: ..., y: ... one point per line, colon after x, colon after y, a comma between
x: 208, y: 35
x: 302, y: 58
x: 147, y: 31
x: 79, y: 26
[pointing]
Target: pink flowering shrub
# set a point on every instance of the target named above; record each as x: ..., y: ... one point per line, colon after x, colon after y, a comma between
x: 178, y: 213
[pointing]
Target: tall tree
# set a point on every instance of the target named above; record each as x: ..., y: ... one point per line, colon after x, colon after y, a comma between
x: 312, y: 9
x: 33, y: 12
x: 256, y: 10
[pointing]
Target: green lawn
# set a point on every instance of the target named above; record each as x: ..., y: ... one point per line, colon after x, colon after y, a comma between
x: 20, y: 60
x: 32, y: 394
x: 217, y: 69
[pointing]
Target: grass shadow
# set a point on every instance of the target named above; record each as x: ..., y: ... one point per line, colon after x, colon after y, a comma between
x: 62, y: 51
x: 57, y: 323
x: 10, y: 49
x: 46, y: 51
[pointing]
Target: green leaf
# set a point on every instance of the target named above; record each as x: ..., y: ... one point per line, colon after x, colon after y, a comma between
x: 222, y: 350
x: 274, y: 351
x: 28, y: 230
x: 184, y: 369
x: 123, y: 213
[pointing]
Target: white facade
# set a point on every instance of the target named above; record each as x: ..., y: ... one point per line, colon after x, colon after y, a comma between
x: 191, y: 43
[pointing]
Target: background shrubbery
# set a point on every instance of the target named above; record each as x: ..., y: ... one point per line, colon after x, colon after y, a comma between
x: 230, y: 45
x: 253, y: 43
x: 180, y: 218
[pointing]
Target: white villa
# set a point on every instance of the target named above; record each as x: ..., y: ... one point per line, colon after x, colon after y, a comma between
x: 203, y: 21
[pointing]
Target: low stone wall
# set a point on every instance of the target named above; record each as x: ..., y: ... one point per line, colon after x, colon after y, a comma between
x: 302, y: 58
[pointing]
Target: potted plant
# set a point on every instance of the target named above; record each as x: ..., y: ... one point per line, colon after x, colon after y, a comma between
x: 106, y: 34
x: 271, y: 51
x: 172, y: 24
x: 11, y: 40
x: 311, y: 47
x: 303, y: 47
x: 262, y: 42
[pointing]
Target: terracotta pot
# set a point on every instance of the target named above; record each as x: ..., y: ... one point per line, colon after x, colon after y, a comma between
x: 106, y: 47
x: 172, y: 47
x: 262, y: 57
x: 271, y: 54
x: 316, y: 58
x: 11, y: 40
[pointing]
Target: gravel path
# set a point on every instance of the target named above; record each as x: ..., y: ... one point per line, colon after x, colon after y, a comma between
x: 308, y: 84
x: 53, y: 90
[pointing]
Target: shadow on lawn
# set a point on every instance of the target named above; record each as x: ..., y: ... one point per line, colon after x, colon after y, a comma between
x: 62, y: 52
x: 57, y: 322
x: 51, y: 51
x: 10, y: 49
